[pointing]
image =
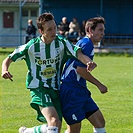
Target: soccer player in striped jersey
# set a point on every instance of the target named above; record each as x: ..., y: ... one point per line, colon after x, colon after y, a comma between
x: 45, y: 57
x: 77, y: 103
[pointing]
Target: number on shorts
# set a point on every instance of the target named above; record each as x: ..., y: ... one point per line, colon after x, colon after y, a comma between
x: 48, y: 99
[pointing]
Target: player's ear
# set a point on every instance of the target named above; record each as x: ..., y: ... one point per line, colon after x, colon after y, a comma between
x: 88, y: 29
x: 40, y: 31
x: 91, y: 31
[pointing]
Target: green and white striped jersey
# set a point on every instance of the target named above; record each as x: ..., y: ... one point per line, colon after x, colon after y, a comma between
x: 44, y: 61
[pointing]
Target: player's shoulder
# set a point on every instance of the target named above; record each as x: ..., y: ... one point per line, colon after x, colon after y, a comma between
x: 58, y: 37
x: 33, y: 42
x: 36, y: 40
x: 62, y: 39
x: 83, y: 42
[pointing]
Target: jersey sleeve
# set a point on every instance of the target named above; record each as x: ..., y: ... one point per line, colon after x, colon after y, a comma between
x: 18, y: 53
x: 71, y: 49
x: 87, y: 49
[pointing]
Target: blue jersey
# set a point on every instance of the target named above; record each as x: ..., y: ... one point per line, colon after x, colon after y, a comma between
x: 76, y: 100
x: 70, y: 74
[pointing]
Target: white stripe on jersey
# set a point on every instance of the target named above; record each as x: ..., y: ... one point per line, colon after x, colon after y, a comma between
x: 34, y: 83
x: 69, y: 69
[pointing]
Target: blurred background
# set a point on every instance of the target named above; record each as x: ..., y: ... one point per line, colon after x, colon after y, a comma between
x: 118, y: 14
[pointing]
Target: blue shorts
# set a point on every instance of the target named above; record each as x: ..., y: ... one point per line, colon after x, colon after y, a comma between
x: 76, y: 102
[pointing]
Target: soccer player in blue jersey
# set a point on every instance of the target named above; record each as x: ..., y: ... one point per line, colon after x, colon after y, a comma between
x: 45, y: 57
x: 77, y: 103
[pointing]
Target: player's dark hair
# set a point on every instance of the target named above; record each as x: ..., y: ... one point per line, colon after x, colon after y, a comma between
x: 43, y: 18
x: 92, y: 23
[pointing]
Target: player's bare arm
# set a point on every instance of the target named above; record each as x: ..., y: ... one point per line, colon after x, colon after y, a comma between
x: 87, y: 61
x: 83, y: 73
x: 5, y: 65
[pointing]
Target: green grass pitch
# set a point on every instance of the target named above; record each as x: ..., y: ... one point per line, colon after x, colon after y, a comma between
x: 115, y: 71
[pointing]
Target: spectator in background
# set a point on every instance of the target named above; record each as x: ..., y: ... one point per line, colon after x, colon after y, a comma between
x: 82, y: 30
x: 74, y: 28
x: 30, y: 31
x: 63, y: 27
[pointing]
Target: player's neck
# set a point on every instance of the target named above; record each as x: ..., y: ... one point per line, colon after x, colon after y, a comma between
x: 45, y: 40
x: 91, y: 39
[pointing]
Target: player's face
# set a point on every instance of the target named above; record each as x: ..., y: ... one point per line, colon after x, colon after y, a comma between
x: 49, y: 32
x: 98, y: 33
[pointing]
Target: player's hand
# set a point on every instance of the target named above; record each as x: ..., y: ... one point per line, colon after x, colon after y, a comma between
x: 103, y: 89
x: 91, y: 66
x: 7, y: 75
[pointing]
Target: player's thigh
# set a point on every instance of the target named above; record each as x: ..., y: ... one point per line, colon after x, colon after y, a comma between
x: 97, y: 119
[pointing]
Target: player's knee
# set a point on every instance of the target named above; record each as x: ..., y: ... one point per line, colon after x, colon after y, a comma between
x: 100, y: 120
x: 54, y: 121
x: 100, y: 123
x: 104, y: 122
x: 97, y: 120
